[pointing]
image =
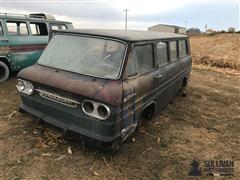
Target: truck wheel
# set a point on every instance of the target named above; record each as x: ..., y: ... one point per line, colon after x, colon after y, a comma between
x: 4, y: 72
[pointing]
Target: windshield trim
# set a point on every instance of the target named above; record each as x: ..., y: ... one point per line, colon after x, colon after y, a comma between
x: 98, y: 37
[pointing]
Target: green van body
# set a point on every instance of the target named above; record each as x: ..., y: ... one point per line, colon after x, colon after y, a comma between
x: 18, y: 51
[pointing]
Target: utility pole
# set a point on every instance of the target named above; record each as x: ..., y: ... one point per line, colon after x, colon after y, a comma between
x: 126, y: 17
x: 206, y: 26
x: 186, y: 24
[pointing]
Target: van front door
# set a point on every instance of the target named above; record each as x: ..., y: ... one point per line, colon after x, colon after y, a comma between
x: 138, y: 88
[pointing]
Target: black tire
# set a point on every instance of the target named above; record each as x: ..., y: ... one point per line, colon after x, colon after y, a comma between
x: 147, y: 114
x: 181, y: 91
x: 4, y: 72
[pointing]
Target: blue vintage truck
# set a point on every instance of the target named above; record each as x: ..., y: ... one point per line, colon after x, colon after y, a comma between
x: 23, y: 39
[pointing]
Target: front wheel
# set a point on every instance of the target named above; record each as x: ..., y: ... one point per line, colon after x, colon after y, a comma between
x: 4, y: 72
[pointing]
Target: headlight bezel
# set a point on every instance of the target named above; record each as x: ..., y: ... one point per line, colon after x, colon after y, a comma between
x: 95, y: 112
x: 26, y: 85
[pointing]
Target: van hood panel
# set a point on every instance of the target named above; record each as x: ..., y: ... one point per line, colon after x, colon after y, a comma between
x: 103, y: 90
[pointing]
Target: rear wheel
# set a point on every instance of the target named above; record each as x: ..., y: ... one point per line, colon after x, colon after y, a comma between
x: 181, y: 91
x: 4, y: 71
x: 147, y: 114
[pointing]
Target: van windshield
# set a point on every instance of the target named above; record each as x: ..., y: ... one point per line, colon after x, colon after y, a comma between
x: 85, y: 55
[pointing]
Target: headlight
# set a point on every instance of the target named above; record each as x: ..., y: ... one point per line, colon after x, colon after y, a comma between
x: 20, y: 85
x: 95, y: 109
x: 103, y: 111
x: 29, y: 88
x: 88, y: 107
x: 25, y: 87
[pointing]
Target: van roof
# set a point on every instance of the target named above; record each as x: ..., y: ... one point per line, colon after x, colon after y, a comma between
x: 24, y: 17
x: 128, y: 35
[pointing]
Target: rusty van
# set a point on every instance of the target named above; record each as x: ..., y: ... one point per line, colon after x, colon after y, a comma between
x: 102, y: 83
x: 23, y: 38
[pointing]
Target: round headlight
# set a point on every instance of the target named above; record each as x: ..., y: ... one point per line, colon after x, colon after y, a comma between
x: 88, y: 107
x: 29, y: 88
x: 103, y: 111
x: 20, y: 86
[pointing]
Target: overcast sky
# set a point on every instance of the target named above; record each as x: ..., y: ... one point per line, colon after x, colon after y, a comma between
x: 217, y: 14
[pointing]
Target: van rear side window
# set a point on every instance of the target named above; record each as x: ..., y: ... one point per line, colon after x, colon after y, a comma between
x: 162, y: 53
x: 173, y: 50
x: 17, y: 28
x: 182, y: 47
x: 38, y: 29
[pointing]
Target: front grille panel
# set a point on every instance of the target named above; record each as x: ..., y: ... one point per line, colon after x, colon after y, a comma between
x: 58, y: 98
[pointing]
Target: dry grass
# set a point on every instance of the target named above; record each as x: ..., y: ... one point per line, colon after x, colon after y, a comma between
x: 220, y: 50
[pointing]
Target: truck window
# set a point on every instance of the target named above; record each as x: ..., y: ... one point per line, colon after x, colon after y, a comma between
x: 17, y: 28
x: 141, y: 60
x: 63, y: 27
x: 162, y: 53
x: 38, y: 29
x: 182, y: 47
x: 58, y: 27
x: 173, y: 50
x: 1, y: 29
x: 54, y: 27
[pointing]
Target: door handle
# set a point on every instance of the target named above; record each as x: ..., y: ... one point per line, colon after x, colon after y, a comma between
x: 4, y: 40
x: 158, y: 76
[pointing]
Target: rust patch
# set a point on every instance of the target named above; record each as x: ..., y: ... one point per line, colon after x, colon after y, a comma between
x: 108, y: 91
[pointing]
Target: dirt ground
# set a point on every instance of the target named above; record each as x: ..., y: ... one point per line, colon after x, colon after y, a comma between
x: 204, y: 125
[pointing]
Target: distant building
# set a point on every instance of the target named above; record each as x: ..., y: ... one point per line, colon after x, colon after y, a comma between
x: 193, y: 31
x: 210, y: 31
x: 231, y: 30
x: 168, y: 28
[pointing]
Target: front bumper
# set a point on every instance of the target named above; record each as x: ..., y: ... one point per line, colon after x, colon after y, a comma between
x: 71, y: 119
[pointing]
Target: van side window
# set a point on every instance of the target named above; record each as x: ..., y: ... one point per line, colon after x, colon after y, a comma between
x: 141, y: 60
x: 182, y: 48
x: 162, y: 53
x: 17, y: 28
x: 38, y: 29
x: 54, y: 27
x: 63, y: 27
x: 173, y: 50
x: 1, y: 29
